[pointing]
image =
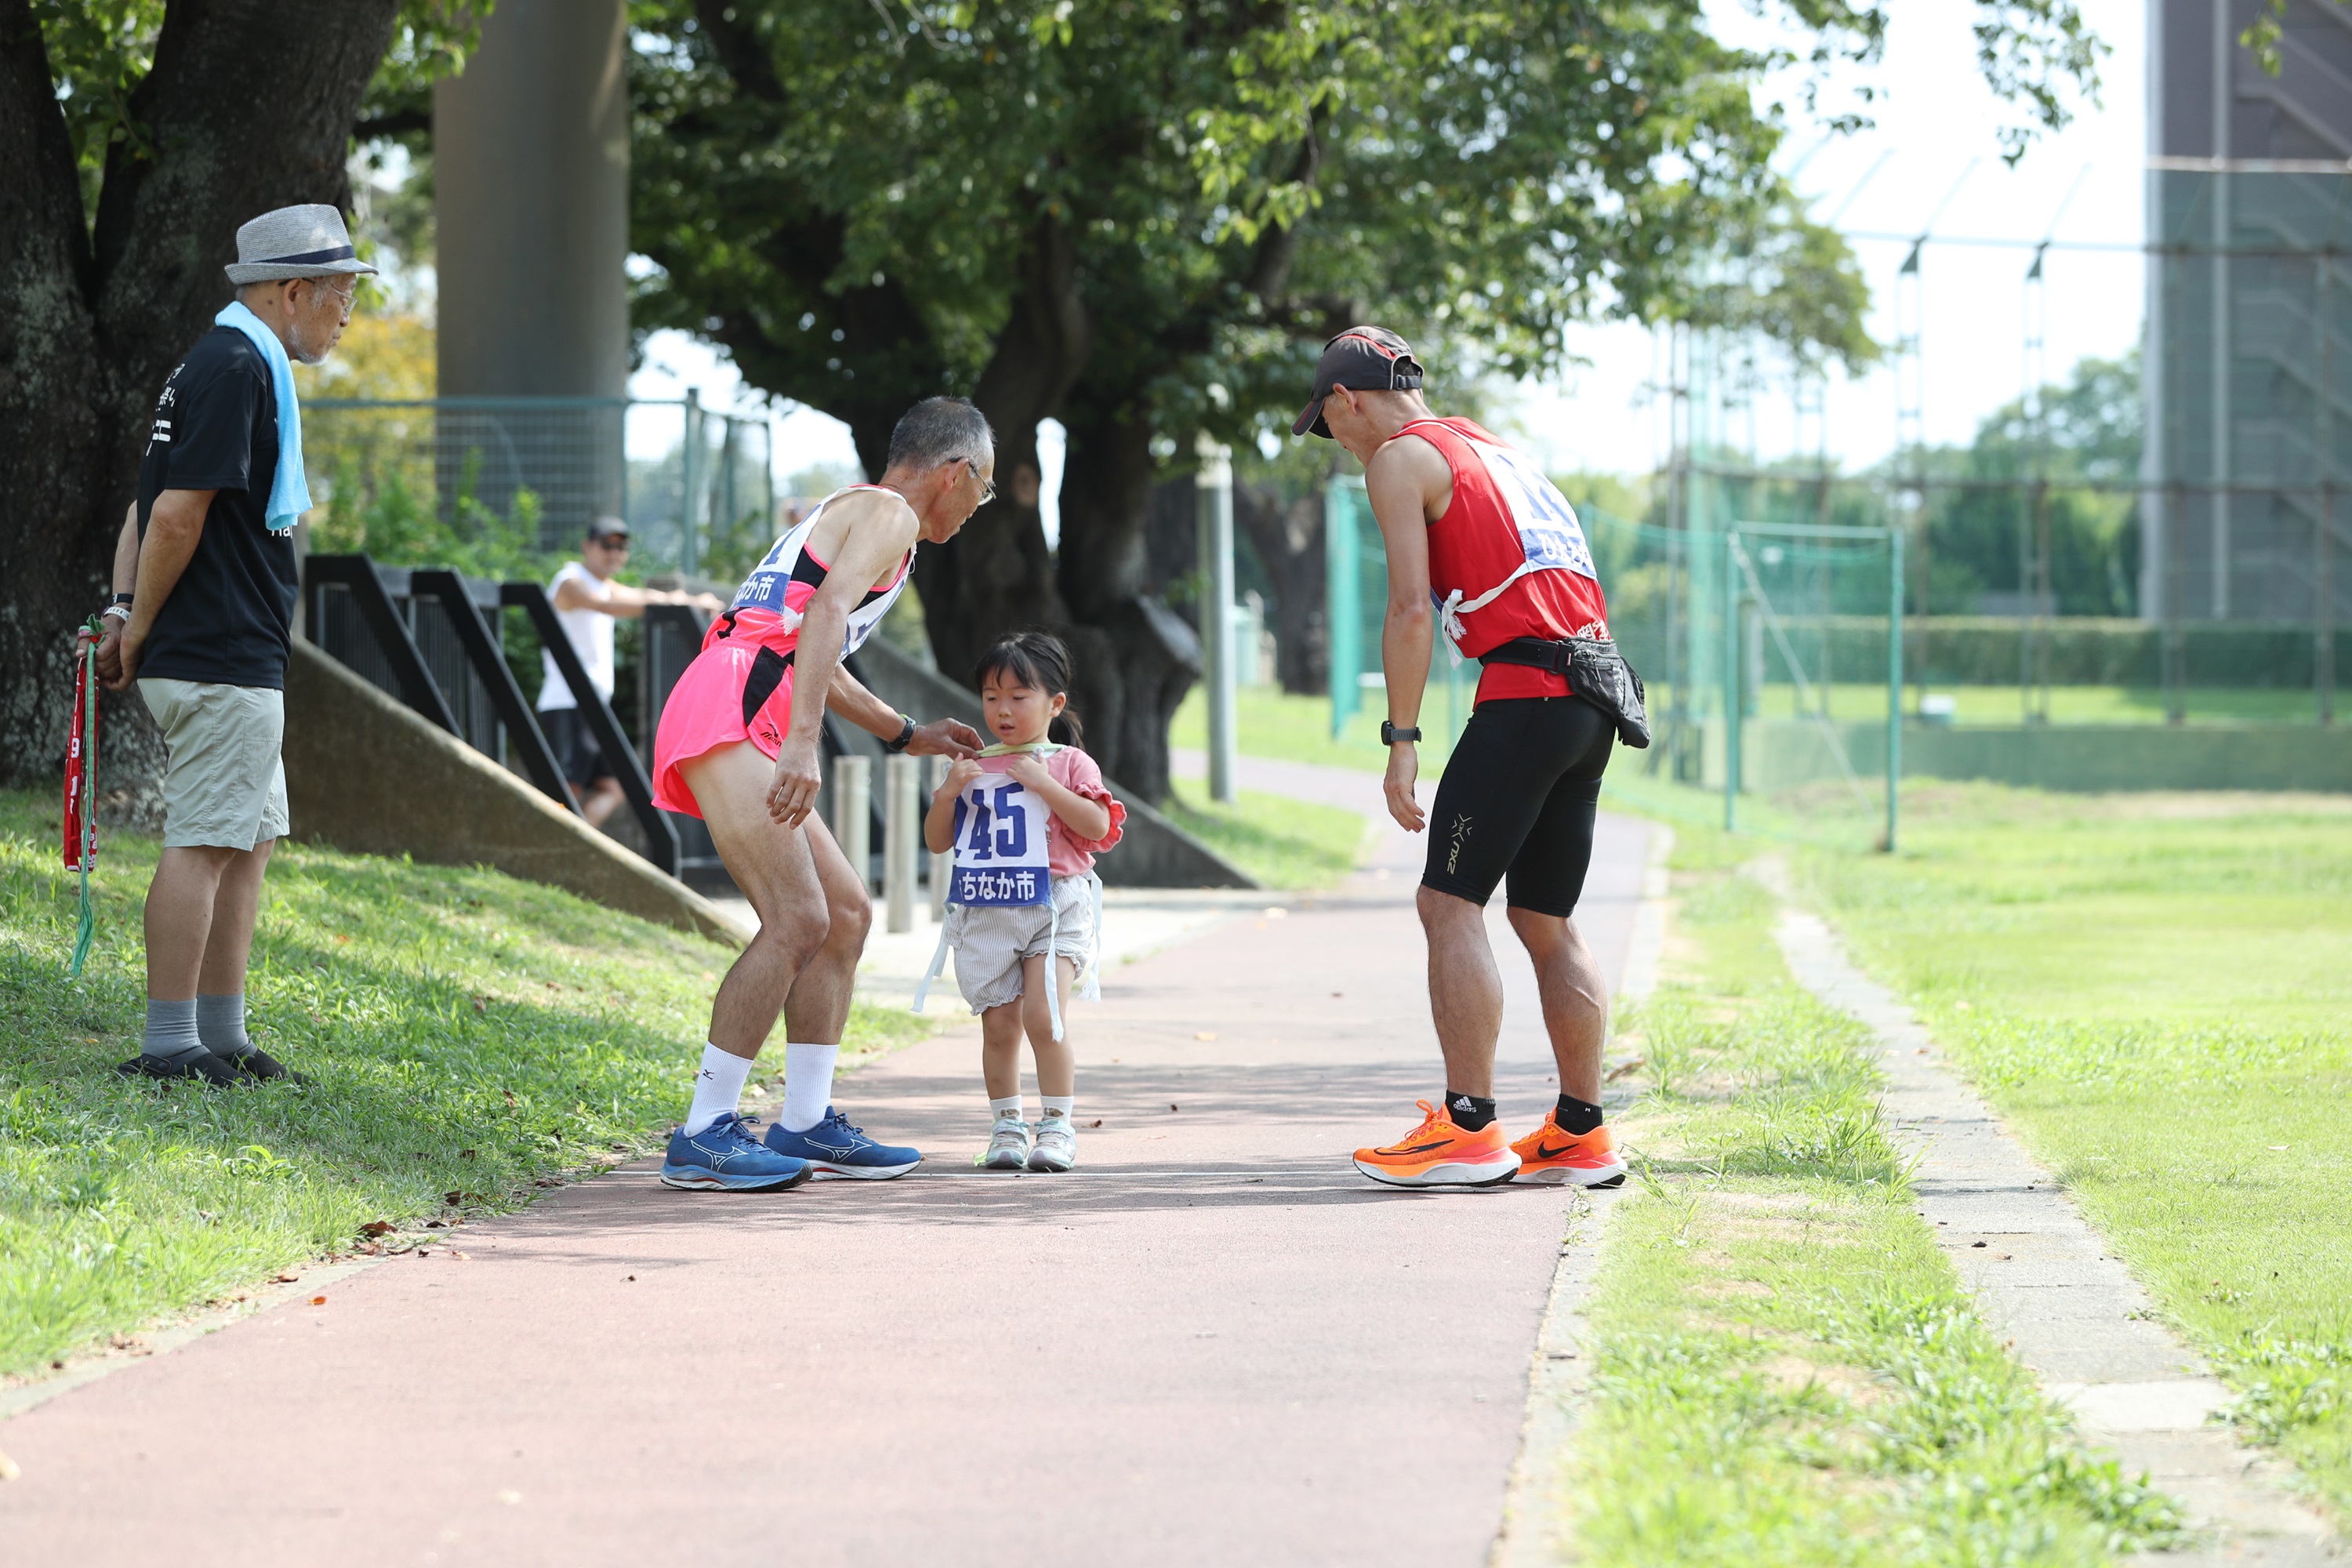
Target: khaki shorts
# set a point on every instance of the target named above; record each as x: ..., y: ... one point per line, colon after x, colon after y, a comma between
x: 225, y: 784
x: 991, y: 943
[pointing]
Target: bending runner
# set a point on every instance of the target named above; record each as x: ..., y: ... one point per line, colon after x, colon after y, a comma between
x: 768, y: 670
x: 1475, y: 529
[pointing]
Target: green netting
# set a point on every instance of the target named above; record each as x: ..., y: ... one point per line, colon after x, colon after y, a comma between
x: 1357, y: 575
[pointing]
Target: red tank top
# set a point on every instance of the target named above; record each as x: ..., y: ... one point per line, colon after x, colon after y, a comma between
x: 1505, y: 517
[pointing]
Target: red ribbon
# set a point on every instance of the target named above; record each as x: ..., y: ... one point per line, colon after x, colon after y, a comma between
x: 81, y: 740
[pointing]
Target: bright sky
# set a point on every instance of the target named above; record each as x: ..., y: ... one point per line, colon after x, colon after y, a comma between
x: 1936, y: 132
x: 1933, y: 140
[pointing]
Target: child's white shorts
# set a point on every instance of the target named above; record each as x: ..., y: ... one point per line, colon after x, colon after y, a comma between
x: 991, y: 943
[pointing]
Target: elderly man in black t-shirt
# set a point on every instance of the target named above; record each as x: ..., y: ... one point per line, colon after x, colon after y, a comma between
x: 206, y: 623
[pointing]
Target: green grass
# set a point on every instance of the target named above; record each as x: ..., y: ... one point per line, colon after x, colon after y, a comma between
x: 2157, y: 991
x: 1787, y: 1371
x: 463, y: 1033
x: 1271, y: 722
x: 2000, y: 705
x: 1284, y: 843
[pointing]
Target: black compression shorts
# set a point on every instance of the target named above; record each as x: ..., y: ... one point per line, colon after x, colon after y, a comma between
x: 1517, y: 799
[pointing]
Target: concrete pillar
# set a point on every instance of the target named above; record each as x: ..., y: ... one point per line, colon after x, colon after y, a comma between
x: 853, y: 813
x: 902, y: 828
x: 935, y: 774
x: 530, y: 174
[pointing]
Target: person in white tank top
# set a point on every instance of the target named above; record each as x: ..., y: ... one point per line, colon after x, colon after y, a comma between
x: 587, y: 602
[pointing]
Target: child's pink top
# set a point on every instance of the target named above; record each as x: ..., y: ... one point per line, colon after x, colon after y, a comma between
x: 1067, y: 855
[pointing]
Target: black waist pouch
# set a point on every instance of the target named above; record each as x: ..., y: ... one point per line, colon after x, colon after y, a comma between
x: 1595, y: 670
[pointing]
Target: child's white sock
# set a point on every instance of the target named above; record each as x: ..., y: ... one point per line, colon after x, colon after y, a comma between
x: 1058, y: 1104
x: 808, y: 1085
x: 1000, y: 1108
x: 716, y: 1088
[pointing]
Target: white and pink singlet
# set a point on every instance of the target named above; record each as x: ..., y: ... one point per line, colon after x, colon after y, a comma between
x: 740, y: 687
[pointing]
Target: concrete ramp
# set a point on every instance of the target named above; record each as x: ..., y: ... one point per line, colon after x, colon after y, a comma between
x: 365, y: 773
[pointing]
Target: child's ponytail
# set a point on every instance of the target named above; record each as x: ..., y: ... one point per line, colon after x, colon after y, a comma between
x: 1037, y: 659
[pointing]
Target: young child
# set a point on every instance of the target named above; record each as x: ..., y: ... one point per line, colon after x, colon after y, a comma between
x: 1002, y: 950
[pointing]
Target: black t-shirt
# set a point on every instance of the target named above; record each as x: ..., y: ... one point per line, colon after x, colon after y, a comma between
x: 231, y: 617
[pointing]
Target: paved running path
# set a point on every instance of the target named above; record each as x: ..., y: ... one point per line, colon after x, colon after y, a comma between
x: 1211, y: 1343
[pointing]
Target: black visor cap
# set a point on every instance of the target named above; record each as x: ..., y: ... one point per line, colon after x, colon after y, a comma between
x: 1361, y: 359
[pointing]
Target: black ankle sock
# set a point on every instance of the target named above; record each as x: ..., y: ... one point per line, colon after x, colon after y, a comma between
x: 1469, y: 1112
x: 1575, y: 1116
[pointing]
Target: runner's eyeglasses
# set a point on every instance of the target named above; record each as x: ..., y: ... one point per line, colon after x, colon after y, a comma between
x: 987, y: 486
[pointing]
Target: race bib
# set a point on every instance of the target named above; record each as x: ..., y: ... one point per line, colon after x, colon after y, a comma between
x: 1000, y: 846
x: 1549, y: 532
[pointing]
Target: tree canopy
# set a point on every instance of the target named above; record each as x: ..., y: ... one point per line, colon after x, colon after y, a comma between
x: 1145, y: 219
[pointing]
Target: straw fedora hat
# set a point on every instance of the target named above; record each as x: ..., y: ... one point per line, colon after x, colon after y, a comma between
x: 307, y: 241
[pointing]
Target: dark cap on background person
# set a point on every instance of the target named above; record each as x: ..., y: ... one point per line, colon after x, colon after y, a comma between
x: 609, y: 529
x: 1361, y: 359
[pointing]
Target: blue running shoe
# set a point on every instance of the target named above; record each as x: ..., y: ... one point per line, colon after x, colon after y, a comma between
x: 725, y: 1156
x: 837, y: 1149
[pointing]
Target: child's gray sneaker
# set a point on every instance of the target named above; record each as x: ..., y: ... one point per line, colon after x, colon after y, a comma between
x: 1056, y: 1148
x: 1008, y: 1145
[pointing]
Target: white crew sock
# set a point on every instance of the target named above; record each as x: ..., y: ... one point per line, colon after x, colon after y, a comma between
x: 716, y: 1088
x: 808, y: 1085
x: 1000, y: 1108
x: 1058, y: 1104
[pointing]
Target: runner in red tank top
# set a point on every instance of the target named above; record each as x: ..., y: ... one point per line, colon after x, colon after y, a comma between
x: 1485, y: 553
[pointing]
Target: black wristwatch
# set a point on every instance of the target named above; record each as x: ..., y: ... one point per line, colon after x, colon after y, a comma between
x: 906, y: 737
x: 1390, y: 734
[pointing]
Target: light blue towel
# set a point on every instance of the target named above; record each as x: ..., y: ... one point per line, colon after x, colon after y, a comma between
x: 289, y: 491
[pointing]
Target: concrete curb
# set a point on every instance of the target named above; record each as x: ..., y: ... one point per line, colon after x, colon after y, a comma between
x: 2044, y: 1281
x: 366, y: 775
x: 1559, y: 1372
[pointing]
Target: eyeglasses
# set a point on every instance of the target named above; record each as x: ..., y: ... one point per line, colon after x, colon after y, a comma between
x: 987, y: 486
x: 342, y: 297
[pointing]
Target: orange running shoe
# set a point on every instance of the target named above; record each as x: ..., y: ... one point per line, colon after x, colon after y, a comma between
x: 1576, y: 1159
x: 1439, y: 1154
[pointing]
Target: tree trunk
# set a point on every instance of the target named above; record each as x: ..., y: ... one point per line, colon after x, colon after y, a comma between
x: 1288, y: 535
x: 995, y: 576
x: 1135, y: 656
x: 249, y: 107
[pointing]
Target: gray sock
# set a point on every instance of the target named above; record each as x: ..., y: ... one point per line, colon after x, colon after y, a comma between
x: 172, y: 1032
x: 220, y: 1024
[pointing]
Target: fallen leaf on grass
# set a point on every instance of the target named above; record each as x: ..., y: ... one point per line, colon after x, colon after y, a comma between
x: 286, y: 1279
x: 375, y: 1227
x: 1624, y: 1069
x: 453, y: 1197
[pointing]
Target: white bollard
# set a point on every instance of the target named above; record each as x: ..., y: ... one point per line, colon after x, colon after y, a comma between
x: 942, y: 865
x: 902, y: 823
x: 853, y: 813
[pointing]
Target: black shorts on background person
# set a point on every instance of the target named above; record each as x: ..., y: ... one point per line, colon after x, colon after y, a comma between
x: 576, y: 748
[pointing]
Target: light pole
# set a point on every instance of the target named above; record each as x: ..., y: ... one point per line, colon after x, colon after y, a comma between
x: 1215, y: 531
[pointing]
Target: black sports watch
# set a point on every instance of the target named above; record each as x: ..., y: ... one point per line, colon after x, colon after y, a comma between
x: 1390, y: 734
x: 906, y: 736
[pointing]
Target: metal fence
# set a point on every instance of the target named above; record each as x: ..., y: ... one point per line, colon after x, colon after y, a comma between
x: 503, y: 478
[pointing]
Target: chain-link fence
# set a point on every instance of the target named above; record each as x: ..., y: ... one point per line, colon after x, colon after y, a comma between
x: 497, y: 483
